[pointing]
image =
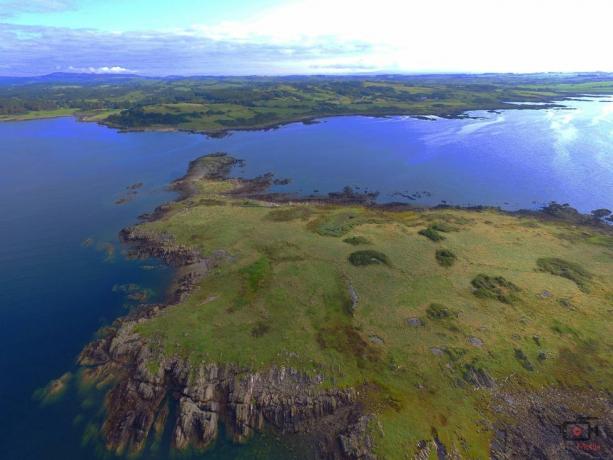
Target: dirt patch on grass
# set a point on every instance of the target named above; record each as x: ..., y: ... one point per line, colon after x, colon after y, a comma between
x: 347, y: 340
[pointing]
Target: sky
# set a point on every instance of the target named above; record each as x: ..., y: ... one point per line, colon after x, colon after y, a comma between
x: 271, y: 37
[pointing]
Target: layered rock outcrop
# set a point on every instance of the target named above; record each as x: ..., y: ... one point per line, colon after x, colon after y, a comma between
x: 209, y: 394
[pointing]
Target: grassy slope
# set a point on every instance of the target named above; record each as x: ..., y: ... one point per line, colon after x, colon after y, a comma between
x: 39, y: 114
x: 284, y: 300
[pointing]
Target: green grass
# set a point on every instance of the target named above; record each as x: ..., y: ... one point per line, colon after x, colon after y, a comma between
x: 38, y: 114
x: 282, y: 298
x: 286, y: 215
x: 256, y: 273
x: 443, y: 227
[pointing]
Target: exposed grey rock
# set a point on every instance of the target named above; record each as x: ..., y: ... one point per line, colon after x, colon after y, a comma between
x: 355, y: 442
x: 282, y: 398
x: 415, y: 322
x: 545, y: 294
x: 353, y: 294
x: 477, y: 377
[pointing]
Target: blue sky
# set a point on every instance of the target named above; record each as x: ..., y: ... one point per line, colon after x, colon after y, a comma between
x: 127, y: 15
x: 237, y: 37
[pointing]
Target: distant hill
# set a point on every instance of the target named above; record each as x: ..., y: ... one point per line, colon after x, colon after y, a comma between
x: 69, y: 77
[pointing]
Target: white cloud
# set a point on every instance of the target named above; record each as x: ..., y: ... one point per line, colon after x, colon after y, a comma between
x: 336, y: 36
x: 440, y: 35
x: 101, y: 70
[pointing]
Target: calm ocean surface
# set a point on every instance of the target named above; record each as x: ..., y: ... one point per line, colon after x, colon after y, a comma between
x: 59, y: 180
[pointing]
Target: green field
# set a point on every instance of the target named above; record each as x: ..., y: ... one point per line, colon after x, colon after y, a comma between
x: 525, y: 302
x: 218, y: 104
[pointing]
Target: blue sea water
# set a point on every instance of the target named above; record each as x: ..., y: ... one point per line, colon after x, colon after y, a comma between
x: 59, y: 180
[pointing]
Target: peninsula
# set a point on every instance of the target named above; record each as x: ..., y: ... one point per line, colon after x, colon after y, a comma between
x: 377, y: 331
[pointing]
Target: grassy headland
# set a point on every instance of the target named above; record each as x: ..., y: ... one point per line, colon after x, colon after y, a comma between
x: 429, y: 331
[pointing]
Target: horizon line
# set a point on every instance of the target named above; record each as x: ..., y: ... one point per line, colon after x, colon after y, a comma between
x: 332, y: 74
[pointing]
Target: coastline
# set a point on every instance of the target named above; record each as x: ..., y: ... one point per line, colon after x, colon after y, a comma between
x: 244, y: 400
x: 548, y: 102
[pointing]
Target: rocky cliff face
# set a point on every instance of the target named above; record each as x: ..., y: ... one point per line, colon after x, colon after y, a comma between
x: 208, y: 394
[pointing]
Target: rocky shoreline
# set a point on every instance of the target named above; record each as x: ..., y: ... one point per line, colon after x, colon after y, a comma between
x: 206, y: 395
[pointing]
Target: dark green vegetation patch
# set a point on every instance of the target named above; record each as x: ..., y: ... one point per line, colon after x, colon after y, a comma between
x: 438, y: 311
x: 569, y: 270
x: 445, y: 257
x: 432, y: 234
x: 523, y: 359
x: 368, y: 257
x: 260, y: 329
x: 494, y: 287
x: 256, y: 273
x: 356, y: 240
x: 347, y: 340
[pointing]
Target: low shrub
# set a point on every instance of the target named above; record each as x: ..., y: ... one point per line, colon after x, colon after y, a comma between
x: 445, y: 257
x: 495, y: 287
x: 260, y: 329
x: 432, y: 234
x: 523, y: 359
x: 438, y: 311
x: 356, y: 240
x: 368, y: 257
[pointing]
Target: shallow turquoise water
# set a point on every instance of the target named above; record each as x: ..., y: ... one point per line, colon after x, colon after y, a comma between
x: 59, y: 180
